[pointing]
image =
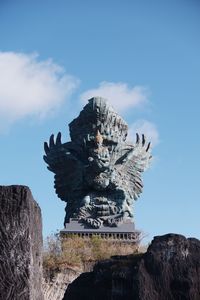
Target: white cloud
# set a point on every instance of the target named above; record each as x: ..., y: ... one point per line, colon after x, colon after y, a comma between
x: 120, y: 95
x: 31, y: 87
x: 144, y: 127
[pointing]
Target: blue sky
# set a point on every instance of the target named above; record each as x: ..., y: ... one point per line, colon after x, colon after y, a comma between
x: 143, y: 55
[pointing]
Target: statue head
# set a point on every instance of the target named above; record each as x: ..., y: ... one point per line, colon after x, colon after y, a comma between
x: 98, y: 120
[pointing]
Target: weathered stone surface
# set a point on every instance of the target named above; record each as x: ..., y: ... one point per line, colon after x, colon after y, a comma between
x: 169, y: 270
x: 98, y: 173
x: 54, y: 288
x: 20, y: 245
x: 55, y: 283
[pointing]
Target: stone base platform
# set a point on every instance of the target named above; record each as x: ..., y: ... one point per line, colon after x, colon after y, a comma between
x: 124, y: 233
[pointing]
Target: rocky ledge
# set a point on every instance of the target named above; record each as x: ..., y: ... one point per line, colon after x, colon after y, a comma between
x: 169, y: 270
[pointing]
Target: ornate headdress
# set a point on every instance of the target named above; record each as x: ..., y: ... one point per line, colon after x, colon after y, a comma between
x: 100, y: 118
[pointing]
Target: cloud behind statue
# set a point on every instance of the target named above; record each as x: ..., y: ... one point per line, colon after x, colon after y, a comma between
x: 31, y: 87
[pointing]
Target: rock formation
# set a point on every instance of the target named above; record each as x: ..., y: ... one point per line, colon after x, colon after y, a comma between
x: 20, y: 245
x: 169, y: 270
x: 55, y: 282
x: 54, y: 287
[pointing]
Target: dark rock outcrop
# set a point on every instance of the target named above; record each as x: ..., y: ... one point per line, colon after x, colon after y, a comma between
x: 20, y: 245
x: 169, y: 270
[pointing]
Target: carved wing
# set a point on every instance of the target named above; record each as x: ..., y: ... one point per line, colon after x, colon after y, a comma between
x: 63, y: 161
x: 135, y: 161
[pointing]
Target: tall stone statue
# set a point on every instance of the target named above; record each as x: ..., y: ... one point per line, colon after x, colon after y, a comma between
x: 98, y: 173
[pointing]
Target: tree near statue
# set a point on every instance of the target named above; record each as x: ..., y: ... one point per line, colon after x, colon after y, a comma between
x: 98, y: 173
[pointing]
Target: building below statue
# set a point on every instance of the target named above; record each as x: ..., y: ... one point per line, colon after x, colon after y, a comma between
x: 124, y: 233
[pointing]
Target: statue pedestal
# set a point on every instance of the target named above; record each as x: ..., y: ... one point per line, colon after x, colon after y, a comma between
x: 124, y: 233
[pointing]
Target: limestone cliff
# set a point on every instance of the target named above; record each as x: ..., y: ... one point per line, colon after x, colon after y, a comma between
x: 54, y: 286
x: 55, y: 282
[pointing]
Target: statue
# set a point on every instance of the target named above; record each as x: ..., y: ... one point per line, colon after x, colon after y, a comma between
x: 98, y: 173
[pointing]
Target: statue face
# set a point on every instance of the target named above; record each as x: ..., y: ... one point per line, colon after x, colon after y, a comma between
x: 99, y: 156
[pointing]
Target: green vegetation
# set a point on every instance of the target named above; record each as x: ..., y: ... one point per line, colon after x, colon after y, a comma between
x: 75, y: 252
